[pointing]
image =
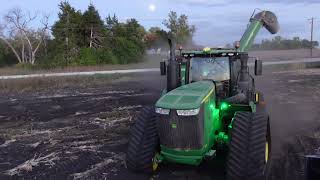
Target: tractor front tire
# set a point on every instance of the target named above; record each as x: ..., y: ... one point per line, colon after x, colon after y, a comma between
x: 249, y: 149
x: 143, y: 142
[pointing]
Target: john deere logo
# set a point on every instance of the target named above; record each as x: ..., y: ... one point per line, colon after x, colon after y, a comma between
x: 174, y: 126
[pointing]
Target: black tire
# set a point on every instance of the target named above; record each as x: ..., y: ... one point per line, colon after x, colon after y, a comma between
x: 261, y: 108
x: 143, y: 141
x: 247, y: 149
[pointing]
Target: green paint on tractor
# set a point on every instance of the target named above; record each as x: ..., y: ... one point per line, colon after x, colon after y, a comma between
x: 183, y: 74
x: 189, y: 96
x: 182, y: 156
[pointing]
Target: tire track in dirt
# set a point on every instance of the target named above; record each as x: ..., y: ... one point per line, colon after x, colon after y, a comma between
x: 70, y: 135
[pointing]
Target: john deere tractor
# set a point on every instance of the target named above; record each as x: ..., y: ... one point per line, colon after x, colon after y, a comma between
x: 210, y: 105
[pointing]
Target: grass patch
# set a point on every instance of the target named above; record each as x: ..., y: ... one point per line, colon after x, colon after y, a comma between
x: 147, y: 62
x: 46, y: 83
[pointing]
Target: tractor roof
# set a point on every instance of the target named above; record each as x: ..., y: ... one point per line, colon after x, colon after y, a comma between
x: 209, y: 51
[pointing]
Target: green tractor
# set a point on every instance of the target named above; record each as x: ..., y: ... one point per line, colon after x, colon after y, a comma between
x: 210, y: 106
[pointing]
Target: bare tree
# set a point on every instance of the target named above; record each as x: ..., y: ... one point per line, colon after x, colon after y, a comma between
x: 95, y: 39
x: 20, y: 38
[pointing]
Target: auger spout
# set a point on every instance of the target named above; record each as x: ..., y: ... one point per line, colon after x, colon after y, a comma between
x: 265, y: 19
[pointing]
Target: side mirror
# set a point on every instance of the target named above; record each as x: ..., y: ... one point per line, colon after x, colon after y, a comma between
x: 163, y: 68
x: 258, y: 67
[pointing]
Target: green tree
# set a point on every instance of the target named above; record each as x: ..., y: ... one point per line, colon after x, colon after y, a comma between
x: 135, y: 30
x: 67, y: 32
x: 94, y: 29
x: 112, y: 25
x: 126, y: 39
x: 6, y: 56
x: 154, y: 30
x: 179, y: 27
x: 112, y: 21
x: 136, y: 34
x: 156, y: 38
x: 281, y: 43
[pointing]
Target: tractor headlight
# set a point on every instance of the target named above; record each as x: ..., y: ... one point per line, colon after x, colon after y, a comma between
x: 190, y: 112
x: 162, y: 111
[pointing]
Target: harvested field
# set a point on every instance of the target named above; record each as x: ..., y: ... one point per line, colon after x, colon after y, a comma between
x: 279, y: 55
x: 81, y: 132
x: 71, y: 132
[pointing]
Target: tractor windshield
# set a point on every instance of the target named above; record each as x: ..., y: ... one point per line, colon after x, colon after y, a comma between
x: 214, y: 68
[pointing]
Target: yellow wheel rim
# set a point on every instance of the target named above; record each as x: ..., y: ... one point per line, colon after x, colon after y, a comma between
x: 267, y: 152
x: 155, y: 164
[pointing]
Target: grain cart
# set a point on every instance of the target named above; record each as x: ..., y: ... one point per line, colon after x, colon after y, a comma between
x: 210, y: 106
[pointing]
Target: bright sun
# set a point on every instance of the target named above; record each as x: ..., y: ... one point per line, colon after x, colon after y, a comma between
x: 152, y: 7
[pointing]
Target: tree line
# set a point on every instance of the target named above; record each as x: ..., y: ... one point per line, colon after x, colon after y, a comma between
x: 82, y: 38
x: 85, y: 38
x: 279, y: 43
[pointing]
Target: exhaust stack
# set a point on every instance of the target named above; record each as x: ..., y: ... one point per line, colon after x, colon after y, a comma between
x: 173, y: 76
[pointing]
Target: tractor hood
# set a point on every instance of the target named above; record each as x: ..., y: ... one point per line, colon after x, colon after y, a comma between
x: 189, y: 96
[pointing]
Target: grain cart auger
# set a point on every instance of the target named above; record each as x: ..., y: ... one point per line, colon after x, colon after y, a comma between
x: 210, y: 106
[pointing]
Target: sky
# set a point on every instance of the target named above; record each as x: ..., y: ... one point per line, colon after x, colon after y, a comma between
x: 218, y: 22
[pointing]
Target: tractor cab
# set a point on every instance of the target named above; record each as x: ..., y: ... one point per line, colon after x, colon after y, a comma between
x: 209, y: 68
x: 219, y: 65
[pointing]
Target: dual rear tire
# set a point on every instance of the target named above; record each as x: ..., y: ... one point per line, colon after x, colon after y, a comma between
x: 143, y: 142
x: 250, y: 145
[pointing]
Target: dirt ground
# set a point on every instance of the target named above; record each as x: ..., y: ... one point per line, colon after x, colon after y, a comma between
x: 81, y: 132
x: 74, y: 133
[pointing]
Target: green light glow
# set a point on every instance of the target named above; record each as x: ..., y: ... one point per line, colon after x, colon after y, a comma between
x: 211, y: 106
x: 224, y: 106
x: 222, y: 137
x: 174, y: 126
